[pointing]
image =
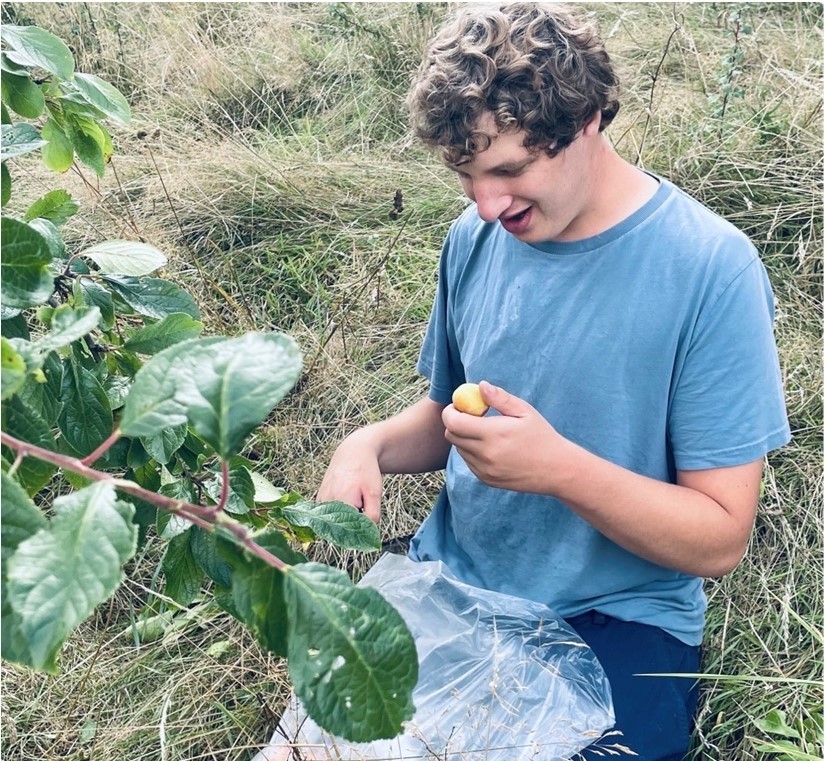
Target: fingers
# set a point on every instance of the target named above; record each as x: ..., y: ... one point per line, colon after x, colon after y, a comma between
x: 461, y: 425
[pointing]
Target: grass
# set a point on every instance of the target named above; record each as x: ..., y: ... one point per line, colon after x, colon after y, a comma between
x: 275, y: 144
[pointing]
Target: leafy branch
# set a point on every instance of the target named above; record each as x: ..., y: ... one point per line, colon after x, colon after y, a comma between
x: 104, y: 365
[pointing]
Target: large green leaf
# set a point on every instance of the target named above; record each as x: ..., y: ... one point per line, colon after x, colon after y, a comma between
x: 25, y: 423
x: 51, y: 235
x: 183, y: 575
x: 125, y: 257
x: 15, y: 327
x: 88, y: 292
x: 13, y: 369
x: 44, y: 396
x: 224, y: 387
x: 58, y: 153
x: 158, y: 336
x: 153, y: 297
x: 205, y: 552
x: 58, y: 576
x: 336, y: 522
x: 56, y: 206
x: 352, y: 659
x: 19, y: 520
x: 258, y: 589
x: 18, y: 140
x: 12, y: 68
x: 103, y: 96
x: 232, y: 386
x: 68, y: 324
x: 86, y: 417
x: 24, y: 259
x: 33, y: 46
x: 88, y: 141
x: 153, y: 405
x: 22, y: 95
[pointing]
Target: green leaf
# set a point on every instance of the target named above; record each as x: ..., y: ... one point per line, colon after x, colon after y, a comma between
x: 18, y: 140
x: 86, y: 418
x: 125, y: 257
x: 336, y: 522
x: 25, y: 255
x: 24, y: 423
x: 158, y: 336
x: 241, y: 494
x: 45, y: 395
x: 164, y: 444
x: 58, y: 576
x: 153, y: 297
x: 22, y: 95
x: 19, y: 520
x: 231, y: 387
x: 116, y: 388
x: 15, y: 327
x: 57, y: 248
x: 205, y: 552
x: 58, y: 153
x: 5, y: 185
x: 68, y: 324
x: 258, y: 589
x: 237, y: 383
x: 87, y: 139
x: 790, y: 751
x: 224, y: 387
x: 352, y: 659
x: 103, y: 96
x: 775, y: 723
x: 183, y: 575
x: 33, y: 46
x: 152, y: 405
x: 90, y: 293
x: 56, y: 206
x: 13, y: 374
x: 265, y: 491
x: 12, y: 68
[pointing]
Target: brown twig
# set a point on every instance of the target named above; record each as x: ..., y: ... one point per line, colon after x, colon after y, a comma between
x: 203, y: 517
x: 654, y: 79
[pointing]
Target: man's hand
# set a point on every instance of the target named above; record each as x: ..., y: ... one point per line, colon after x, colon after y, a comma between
x: 515, y: 450
x: 354, y: 477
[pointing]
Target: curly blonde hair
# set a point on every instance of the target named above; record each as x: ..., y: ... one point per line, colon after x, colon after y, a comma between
x: 534, y: 67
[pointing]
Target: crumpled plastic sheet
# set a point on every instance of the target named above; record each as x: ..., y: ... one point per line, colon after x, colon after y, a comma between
x: 500, y: 678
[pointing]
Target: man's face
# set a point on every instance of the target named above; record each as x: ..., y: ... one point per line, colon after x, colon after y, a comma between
x: 534, y: 197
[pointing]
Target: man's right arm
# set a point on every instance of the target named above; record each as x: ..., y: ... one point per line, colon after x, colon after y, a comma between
x: 410, y: 442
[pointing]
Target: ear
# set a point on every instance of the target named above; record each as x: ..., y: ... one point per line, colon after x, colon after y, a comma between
x: 592, y: 127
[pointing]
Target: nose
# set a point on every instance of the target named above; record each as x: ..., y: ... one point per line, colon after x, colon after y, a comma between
x: 491, y: 199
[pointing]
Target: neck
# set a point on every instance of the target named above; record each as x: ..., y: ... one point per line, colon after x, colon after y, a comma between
x: 618, y: 189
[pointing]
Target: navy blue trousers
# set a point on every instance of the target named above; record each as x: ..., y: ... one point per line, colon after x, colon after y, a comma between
x: 654, y: 714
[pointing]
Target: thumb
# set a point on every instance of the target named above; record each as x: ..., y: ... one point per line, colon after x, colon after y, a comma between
x: 503, y: 401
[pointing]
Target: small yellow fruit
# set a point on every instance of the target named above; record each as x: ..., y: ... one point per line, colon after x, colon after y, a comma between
x: 467, y: 398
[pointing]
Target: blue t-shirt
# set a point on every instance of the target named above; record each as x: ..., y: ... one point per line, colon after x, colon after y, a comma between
x: 650, y: 345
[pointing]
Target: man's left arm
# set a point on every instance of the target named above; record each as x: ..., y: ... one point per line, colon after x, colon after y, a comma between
x: 700, y: 525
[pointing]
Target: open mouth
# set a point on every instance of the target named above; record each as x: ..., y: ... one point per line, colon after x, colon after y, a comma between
x: 517, y: 217
x: 517, y: 222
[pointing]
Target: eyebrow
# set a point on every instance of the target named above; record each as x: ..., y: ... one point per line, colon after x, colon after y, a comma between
x: 506, y: 166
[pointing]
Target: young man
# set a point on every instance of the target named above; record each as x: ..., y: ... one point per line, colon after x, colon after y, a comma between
x: 623, y: 334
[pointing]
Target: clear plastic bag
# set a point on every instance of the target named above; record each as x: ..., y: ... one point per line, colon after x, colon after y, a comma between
x: 500, y: 678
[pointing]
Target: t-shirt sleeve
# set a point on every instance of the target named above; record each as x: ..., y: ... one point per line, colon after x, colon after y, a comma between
x: 439, y: 360
x: 728, y: 404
